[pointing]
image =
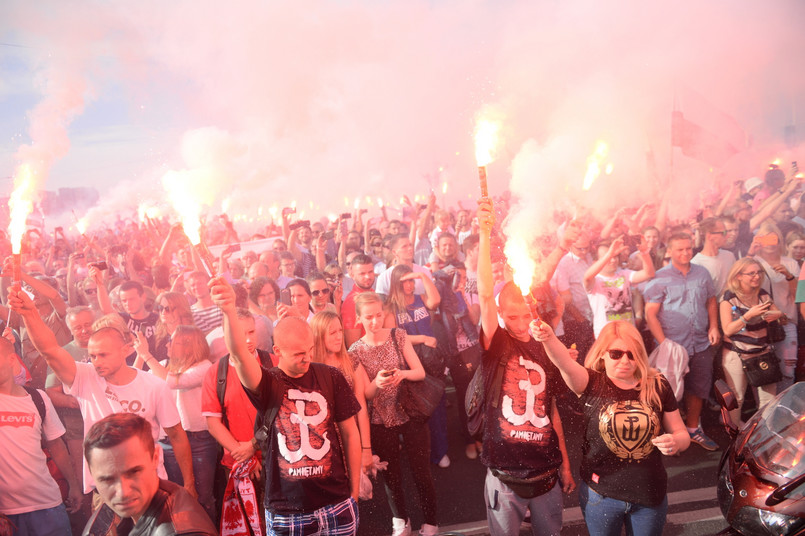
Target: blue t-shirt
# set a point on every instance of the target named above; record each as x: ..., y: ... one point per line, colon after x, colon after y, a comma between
x: 415, y: 320
x: 683, y: 299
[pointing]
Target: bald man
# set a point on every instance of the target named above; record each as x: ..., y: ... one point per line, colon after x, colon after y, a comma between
x: 108, y: 385
x: 307, y: 479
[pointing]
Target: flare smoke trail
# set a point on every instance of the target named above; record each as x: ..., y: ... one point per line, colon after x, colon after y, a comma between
x: 314, y: 102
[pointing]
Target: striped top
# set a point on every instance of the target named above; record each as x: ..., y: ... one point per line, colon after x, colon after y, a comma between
x: 753, y: 338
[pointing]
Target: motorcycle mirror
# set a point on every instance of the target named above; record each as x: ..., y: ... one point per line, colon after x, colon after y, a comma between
x: 725, y: 396
x: 726, y: 399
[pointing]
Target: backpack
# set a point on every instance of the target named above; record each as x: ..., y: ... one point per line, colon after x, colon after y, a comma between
x: 475, y: 399
x: 61, y: 481
x: 223, y: 372
x: 264, y: 421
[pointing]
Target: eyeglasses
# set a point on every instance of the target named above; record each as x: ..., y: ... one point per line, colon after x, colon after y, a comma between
x: 617, y: 355
x: 752, y: 274
x: 374, y: 245
x: 165, y: 309
x: 323, y: 292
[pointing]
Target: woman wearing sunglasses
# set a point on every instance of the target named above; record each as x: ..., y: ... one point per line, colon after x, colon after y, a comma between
x: 631, y: 421
x: 322, y: 295
x: 745, y: 309
x: 174, y: 311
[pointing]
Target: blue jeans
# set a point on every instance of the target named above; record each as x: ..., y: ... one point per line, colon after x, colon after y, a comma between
x: 438, y: 431
x: 204, y: 450
x: 606, y: 517
x: 47, y: 522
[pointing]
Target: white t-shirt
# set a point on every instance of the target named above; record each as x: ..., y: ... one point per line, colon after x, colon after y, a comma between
x: 186, y: 391
x: 780, y: 291
x: 383, y: 283
x: 611, y: 299
x: 146, y: 396
x: 25, y: 483
x: 718, y: 266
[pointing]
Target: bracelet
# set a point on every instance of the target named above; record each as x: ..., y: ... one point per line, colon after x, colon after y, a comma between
x: 366, y: 448
x: 790, y: 278
x: 742, y: 319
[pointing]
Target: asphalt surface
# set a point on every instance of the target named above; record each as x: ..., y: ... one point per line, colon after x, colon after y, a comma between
x: 693, y: 509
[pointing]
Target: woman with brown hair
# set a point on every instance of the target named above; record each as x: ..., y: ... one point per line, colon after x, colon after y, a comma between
x: 328, y: 348
x: 389, y: 359
x: 621, y: 392
x: 173, y: 310
x: 184, y: 370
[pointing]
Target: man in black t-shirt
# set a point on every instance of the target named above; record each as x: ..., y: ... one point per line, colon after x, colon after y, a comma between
x: 523, y: 442
x: 138, y: 318
x: 310, y: 475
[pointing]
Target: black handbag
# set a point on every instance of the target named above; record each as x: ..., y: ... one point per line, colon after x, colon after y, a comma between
x: 761, y: 369
x: 418, y: 399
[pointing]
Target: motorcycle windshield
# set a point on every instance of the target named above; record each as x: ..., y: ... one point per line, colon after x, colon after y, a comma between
x: 777, y: 443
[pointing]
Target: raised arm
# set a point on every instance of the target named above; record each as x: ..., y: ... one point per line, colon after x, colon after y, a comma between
x: 43, y: 339
x: 486, y: 285
x: 576, y: 376
x: 248, y: 370
x: 616, y: 248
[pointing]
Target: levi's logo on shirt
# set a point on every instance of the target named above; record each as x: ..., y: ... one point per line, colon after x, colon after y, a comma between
x: 17, y: 419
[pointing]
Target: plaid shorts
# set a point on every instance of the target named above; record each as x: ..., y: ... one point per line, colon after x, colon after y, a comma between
x: 335, y: 520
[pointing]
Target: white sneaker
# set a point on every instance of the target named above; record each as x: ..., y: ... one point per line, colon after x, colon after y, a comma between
x: 428, y: 530
x: 444, y: 462
x: 400, y: 527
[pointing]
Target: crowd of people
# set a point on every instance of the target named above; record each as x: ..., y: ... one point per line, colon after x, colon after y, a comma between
x: 254, y: 387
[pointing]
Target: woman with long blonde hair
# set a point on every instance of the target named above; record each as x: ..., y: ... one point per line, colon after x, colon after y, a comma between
x: 184, y: 370
x: 745, y: 310
x: 631, y: 415
x: 329, y: 348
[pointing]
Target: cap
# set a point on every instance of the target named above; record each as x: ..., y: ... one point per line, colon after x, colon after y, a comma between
x: 752, y: 183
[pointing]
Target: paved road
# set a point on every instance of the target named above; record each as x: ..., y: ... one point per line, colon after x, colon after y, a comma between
x: 693, y: 509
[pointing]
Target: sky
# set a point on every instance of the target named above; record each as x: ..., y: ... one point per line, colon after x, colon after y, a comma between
x: 247, y: 105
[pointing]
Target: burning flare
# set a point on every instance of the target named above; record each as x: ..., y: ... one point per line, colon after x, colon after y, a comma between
x: 486, y: 138
x: 522, y: 264
x: 595, y: 162
x: 179, y: 188
x: 20, y: 205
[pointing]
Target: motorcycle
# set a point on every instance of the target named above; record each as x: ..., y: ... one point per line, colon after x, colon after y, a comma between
x: 761, y: 484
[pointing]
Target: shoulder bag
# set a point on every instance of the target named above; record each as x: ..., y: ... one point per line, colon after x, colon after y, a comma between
x: 418, y: 399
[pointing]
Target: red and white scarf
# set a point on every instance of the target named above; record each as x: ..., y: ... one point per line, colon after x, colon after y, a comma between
x: 240, y: 510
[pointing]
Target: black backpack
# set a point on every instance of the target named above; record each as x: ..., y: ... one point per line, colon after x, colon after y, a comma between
x: 475, y: 399
x: 223, y: 372
x: 262, y: 424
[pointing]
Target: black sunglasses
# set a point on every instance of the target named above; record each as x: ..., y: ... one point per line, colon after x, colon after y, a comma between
x: 324, y: 292
x: 617, y: 355
x: 168, y: 310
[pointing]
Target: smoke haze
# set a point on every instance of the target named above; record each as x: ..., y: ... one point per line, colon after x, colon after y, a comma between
x: 272, y: 102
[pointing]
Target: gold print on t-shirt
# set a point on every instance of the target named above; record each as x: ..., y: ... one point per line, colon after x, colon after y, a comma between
x: 627, y: 428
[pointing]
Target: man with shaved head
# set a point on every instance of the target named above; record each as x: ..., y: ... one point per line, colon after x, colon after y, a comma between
x: 523, y: 443
x: 108, y: 385
x: 312, y: 478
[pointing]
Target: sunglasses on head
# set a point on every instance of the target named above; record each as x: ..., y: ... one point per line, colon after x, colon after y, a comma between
x: 617, y: 355
x: 323, y: 292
